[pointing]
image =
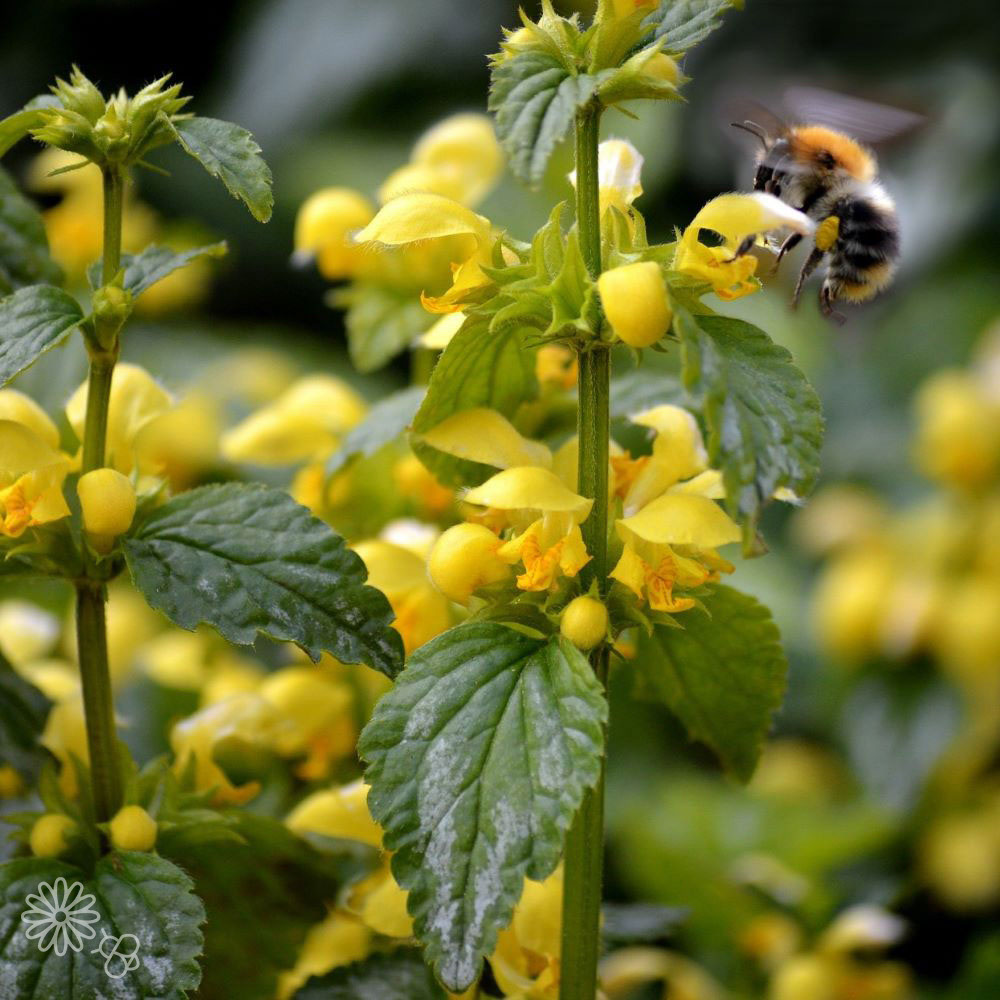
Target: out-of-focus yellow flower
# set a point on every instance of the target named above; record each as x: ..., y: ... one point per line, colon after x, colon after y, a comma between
x: 415, y: 218
x: 107, y: 503
x: 74, y: 226
x: 958, y: 430
x: 343, y: 813
x: 408, y: 533
x: 27, y: 632
x: 136, y: 399
x: 459, y: 158
x: 32, y: 472
x: 967, y: 632
x: 735, y: 217
x: 635, y: 302
x: 839, y: 516
x: 623, y: 8
x: 325, y: 228
x: 417, y: 483
x: 770, y: 938
x: 319, y: 708
x: 254, y: 375
x: 798, y: 770
x: 65, y: 735
x: 51, y: 834
x: 465, y: 558
x: 338, y: 940
x: 440, y: 333
x: 959, y: 858
x: 557, y: 365
x: 545, y: 516
x: 12, y: 785
x: 22, y: 409
x: 421, y: 612
x: 623, y: 970
x: 244, y: 718
x: 525, y: 962
x: 619, y: 169
x: 304, y: 423
x: 488, y: 437
x: 182, y: 443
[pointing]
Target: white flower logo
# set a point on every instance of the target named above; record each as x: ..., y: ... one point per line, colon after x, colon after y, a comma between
x: 60, y: 916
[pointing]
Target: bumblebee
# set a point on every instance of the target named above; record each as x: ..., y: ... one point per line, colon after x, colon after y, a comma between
x: 833, y: 179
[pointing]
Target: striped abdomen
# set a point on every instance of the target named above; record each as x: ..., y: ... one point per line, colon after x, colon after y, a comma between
x: 863, y: 258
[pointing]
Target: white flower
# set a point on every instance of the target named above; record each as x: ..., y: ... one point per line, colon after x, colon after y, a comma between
x: 59, y: 916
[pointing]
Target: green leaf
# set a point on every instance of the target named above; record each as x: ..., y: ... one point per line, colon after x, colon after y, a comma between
x: 381, y: 323
x: 682, y: 24
x: 154, y: 263
x: 572, y: 294
x: 643, y: 388
x: 229, y: 152
x: 480, y: 367
x: 33, y: 320
x: 478, y: 759
x: 136, y: 894
x: 262, y: 892
x: 394, y: 975
x: 15, y: 127
x: 24, y: 247
x: 535, y: 97
x: 383, y: 423
x: 763, y: 418
x: 23, y: 711
x: 722, y: 674
x: 250, y: 560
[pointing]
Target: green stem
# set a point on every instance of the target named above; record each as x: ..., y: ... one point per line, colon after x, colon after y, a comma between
x: 584, y: 853
x: 91, y: 628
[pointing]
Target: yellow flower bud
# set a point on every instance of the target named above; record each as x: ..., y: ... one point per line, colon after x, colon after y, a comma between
x: 584, y: 622
x: 325, y: 227
x: 107, y: 499
x: 960, y: 859
x: 662, y: 67
x: 635, y: 301
x: 133, y: 829
x: 11, y: 783
x: 465, y: 558
x: 51, y: 835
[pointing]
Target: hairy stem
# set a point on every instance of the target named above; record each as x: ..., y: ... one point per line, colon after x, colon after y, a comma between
x: 584, y: 852
x: 91, y: 628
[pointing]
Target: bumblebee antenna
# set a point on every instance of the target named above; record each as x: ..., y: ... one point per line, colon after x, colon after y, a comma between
x: 754, y: 129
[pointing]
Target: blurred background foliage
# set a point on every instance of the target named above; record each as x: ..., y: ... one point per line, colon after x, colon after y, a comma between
x: 881, y: 785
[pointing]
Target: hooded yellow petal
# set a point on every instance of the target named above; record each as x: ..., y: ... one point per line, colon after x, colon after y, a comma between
x: 31, y: 479
x: 23, y: 409
x: 486, y: 436
x: 325, y: 228
x: 530, y: 488
x: 736, y: 216
x: 678, y: 452
x: 337, y: 812
x: 381, y: 905
x: 680, y: 519
x: 423, y: 216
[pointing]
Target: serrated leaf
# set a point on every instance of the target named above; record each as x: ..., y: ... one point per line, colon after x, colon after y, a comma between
x: 535, y: 98
x: 15, y: 127
x: 230, y: 153
x: 24, y: 247
x: 572, y: 295
x: 134, y: 893
x: 763, y: 418
x: 479, y: 367
x: 682, y: 24
x: 33, y: 320
x: 262, y: 894
x: 23, y: 711
x: 249, y: 560
x: 643, y: 388
x: 722, y: 674
x: 394, y: 975
x: 381, y: 323
x: 478, y: 759
x: 154, y: 263
x: 383, y: 423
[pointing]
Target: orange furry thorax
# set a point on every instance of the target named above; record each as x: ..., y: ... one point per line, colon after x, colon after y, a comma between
x: 809, y: 142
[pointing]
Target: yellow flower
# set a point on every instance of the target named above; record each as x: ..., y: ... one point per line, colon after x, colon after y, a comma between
x: 959, y: 858
x: 107, y: 502
x: 338, y: 940
x: 51, y: 834
x: 343, y: 813
x: 135, y: 401
x: 584, y: 622
x: 488, y: 437
x: 414, y: 218
x: 417, y: 483
x: 183, y: 442
x: 623, y: 970
x: 735, y: 217
x: 619, y: 169
x: 24, y: 410
x: 441, y: 332
x: 464, y: 559
x: 634, y: 297
x: 546, y: 545
x: 557, y: 365
x: 325, y: 229
x: 32, y: 472
x: 421, y: 612
x: 525, y: 962
x: 27, y: 632
x: 304, y: 423
x: 459, y: 158
x: 65, y: 735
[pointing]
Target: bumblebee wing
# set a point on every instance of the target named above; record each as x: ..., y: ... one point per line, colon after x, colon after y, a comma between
x: 856, y: 117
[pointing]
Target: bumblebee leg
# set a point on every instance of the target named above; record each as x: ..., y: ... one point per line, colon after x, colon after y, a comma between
x: 790, y: 244
x: 807, y: 268
x: 827, y: 296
